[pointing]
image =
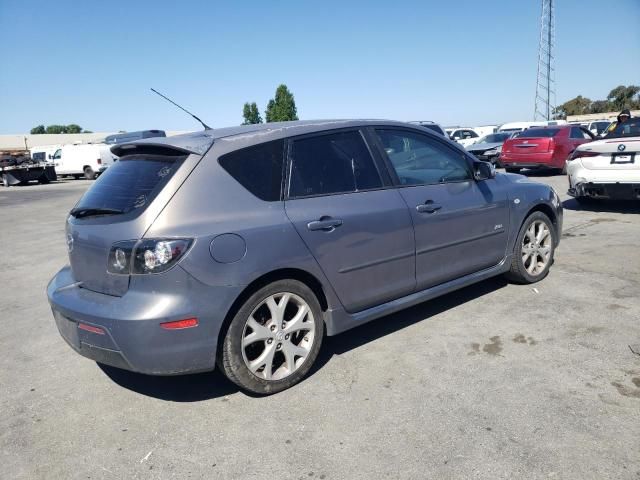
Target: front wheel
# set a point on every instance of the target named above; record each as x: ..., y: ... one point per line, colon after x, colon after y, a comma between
x: 535, y: 247
x: 274, y: 339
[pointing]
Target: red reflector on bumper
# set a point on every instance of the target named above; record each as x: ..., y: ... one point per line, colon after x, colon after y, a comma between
x: 178, y: 324
x: 89, y: 328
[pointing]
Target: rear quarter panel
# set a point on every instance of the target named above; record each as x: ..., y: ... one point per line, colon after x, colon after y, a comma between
x: 212, y: 203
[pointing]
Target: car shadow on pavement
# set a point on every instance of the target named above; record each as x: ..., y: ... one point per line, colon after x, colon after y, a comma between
x: 389, y: 324
x: 210, y: 385
x: 606, y: 206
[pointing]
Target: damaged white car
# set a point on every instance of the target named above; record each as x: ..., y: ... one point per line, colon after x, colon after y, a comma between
x: 607, y: 168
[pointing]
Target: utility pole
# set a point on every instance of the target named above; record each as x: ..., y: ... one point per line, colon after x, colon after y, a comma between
x: 545, y: 102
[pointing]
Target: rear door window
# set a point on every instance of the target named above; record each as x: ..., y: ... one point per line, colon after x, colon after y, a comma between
x: 131, y: 183
x: 331, y: 163
x: 258, y: 169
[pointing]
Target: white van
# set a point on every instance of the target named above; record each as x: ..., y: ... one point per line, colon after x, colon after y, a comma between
x: 86, y: 160
x: 43, y: 153
x: 520, y: 126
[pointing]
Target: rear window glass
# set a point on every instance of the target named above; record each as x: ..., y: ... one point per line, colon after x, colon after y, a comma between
x: 131, y: 183
x: 258, y: 169
x: 333, y: 163
x: 539, y: 132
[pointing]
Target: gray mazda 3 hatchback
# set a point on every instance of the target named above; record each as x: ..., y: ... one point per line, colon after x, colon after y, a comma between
x: 242, y: 247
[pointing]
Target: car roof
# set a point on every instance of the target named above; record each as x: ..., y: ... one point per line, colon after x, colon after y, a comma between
x: 199, y: 142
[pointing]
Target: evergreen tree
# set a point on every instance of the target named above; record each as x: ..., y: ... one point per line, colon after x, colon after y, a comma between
x: 282, y: 108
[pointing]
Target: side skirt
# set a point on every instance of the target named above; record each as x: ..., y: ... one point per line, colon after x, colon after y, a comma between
x: 338, y: 321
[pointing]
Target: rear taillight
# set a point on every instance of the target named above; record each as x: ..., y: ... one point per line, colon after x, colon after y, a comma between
x: 146, y: 256
x: 582, y: 153
x: 552, y: 145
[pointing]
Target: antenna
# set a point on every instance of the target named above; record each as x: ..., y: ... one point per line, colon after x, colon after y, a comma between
x: 206, y: 127
x: 545, y: 90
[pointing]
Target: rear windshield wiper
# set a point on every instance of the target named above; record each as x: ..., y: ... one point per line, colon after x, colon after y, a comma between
x: 81, y: 212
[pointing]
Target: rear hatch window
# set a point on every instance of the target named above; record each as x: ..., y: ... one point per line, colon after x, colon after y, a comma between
x: 129, y: 185
x: 539, y: 133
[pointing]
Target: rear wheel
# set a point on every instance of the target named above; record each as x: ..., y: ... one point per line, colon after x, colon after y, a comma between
x: 535, y: 247
x: 89, y: 174
x: 512, y: 170
x: 274, y: 339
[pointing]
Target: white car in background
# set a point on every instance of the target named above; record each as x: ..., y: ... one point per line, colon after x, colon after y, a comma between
x: 465, y: 136
x: 608, y: 168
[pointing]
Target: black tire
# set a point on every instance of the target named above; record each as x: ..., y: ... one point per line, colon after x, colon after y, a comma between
x: 43, y: 179
x: 512, y: 170
x: 89, y: 174
x: 231, y: 359
x: 518, y: 272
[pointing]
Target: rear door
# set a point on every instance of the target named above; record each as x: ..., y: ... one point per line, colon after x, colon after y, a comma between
x: 578, y: 136
x: 461, y: 226
x: 357, y: 227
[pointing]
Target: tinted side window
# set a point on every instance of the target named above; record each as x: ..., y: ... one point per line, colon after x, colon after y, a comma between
x: 419, y: 160
x: 334, y: 163
x: 57, y: 154
x: 258, y: 169
x: 576, y: 133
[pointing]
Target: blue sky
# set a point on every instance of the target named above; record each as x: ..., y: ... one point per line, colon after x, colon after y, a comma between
x: 463, y: 62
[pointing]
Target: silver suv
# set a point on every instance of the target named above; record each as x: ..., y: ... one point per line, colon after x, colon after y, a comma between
x: 243, y: 247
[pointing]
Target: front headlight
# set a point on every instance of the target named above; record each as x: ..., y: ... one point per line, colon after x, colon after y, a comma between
x: 492, y: 152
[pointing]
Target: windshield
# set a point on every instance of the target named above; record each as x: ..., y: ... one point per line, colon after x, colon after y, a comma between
x: 630, y: 128
x: 539, y: 133
x: 129, y: 184
x: 494, y: 138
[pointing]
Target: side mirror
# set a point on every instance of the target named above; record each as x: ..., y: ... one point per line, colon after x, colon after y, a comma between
x: 483, y: 170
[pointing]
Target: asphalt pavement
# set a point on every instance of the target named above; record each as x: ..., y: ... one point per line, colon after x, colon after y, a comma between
x: 495, y: 381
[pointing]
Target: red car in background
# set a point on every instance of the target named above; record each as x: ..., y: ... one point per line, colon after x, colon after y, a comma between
x: 543, y: 147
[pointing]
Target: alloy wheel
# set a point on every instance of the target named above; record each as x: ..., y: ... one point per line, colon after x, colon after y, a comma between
x: 536, y: 247
x: 278, y: 336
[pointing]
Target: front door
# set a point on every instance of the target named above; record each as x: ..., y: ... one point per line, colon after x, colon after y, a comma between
x: 358, y: 229
x: 461, y: 225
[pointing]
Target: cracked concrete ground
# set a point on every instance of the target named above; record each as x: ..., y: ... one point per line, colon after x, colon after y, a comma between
x: 493, y: 381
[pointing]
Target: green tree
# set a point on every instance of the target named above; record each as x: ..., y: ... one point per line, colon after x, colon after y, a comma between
x: 600, y: 106
x: 73, y: 128
x: 622, y: 97
x: 282, y: 108
x: 251, y: 114
x: 56, y: 129
x: 38, y: 130
x: 576, y: 106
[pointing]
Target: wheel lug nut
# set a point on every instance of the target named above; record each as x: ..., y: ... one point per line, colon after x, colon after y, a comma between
x: 272, y: 328
x: 286, y: 337
x: 270, y: 341
x: 279, y: 346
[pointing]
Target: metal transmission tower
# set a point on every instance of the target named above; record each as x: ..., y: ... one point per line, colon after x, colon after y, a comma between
x: 545, y: 88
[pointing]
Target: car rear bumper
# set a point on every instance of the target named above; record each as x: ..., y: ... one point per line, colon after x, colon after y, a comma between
x: 125, y: 331
x: 528, y: 160
x: 602, y: 183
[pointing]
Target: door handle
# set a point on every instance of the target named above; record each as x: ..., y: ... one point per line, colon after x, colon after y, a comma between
x: 326, y: 224
x: 428, y: 207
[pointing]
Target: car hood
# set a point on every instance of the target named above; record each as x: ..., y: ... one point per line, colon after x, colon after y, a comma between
x: 483, y: 146
x: 612, y: 145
